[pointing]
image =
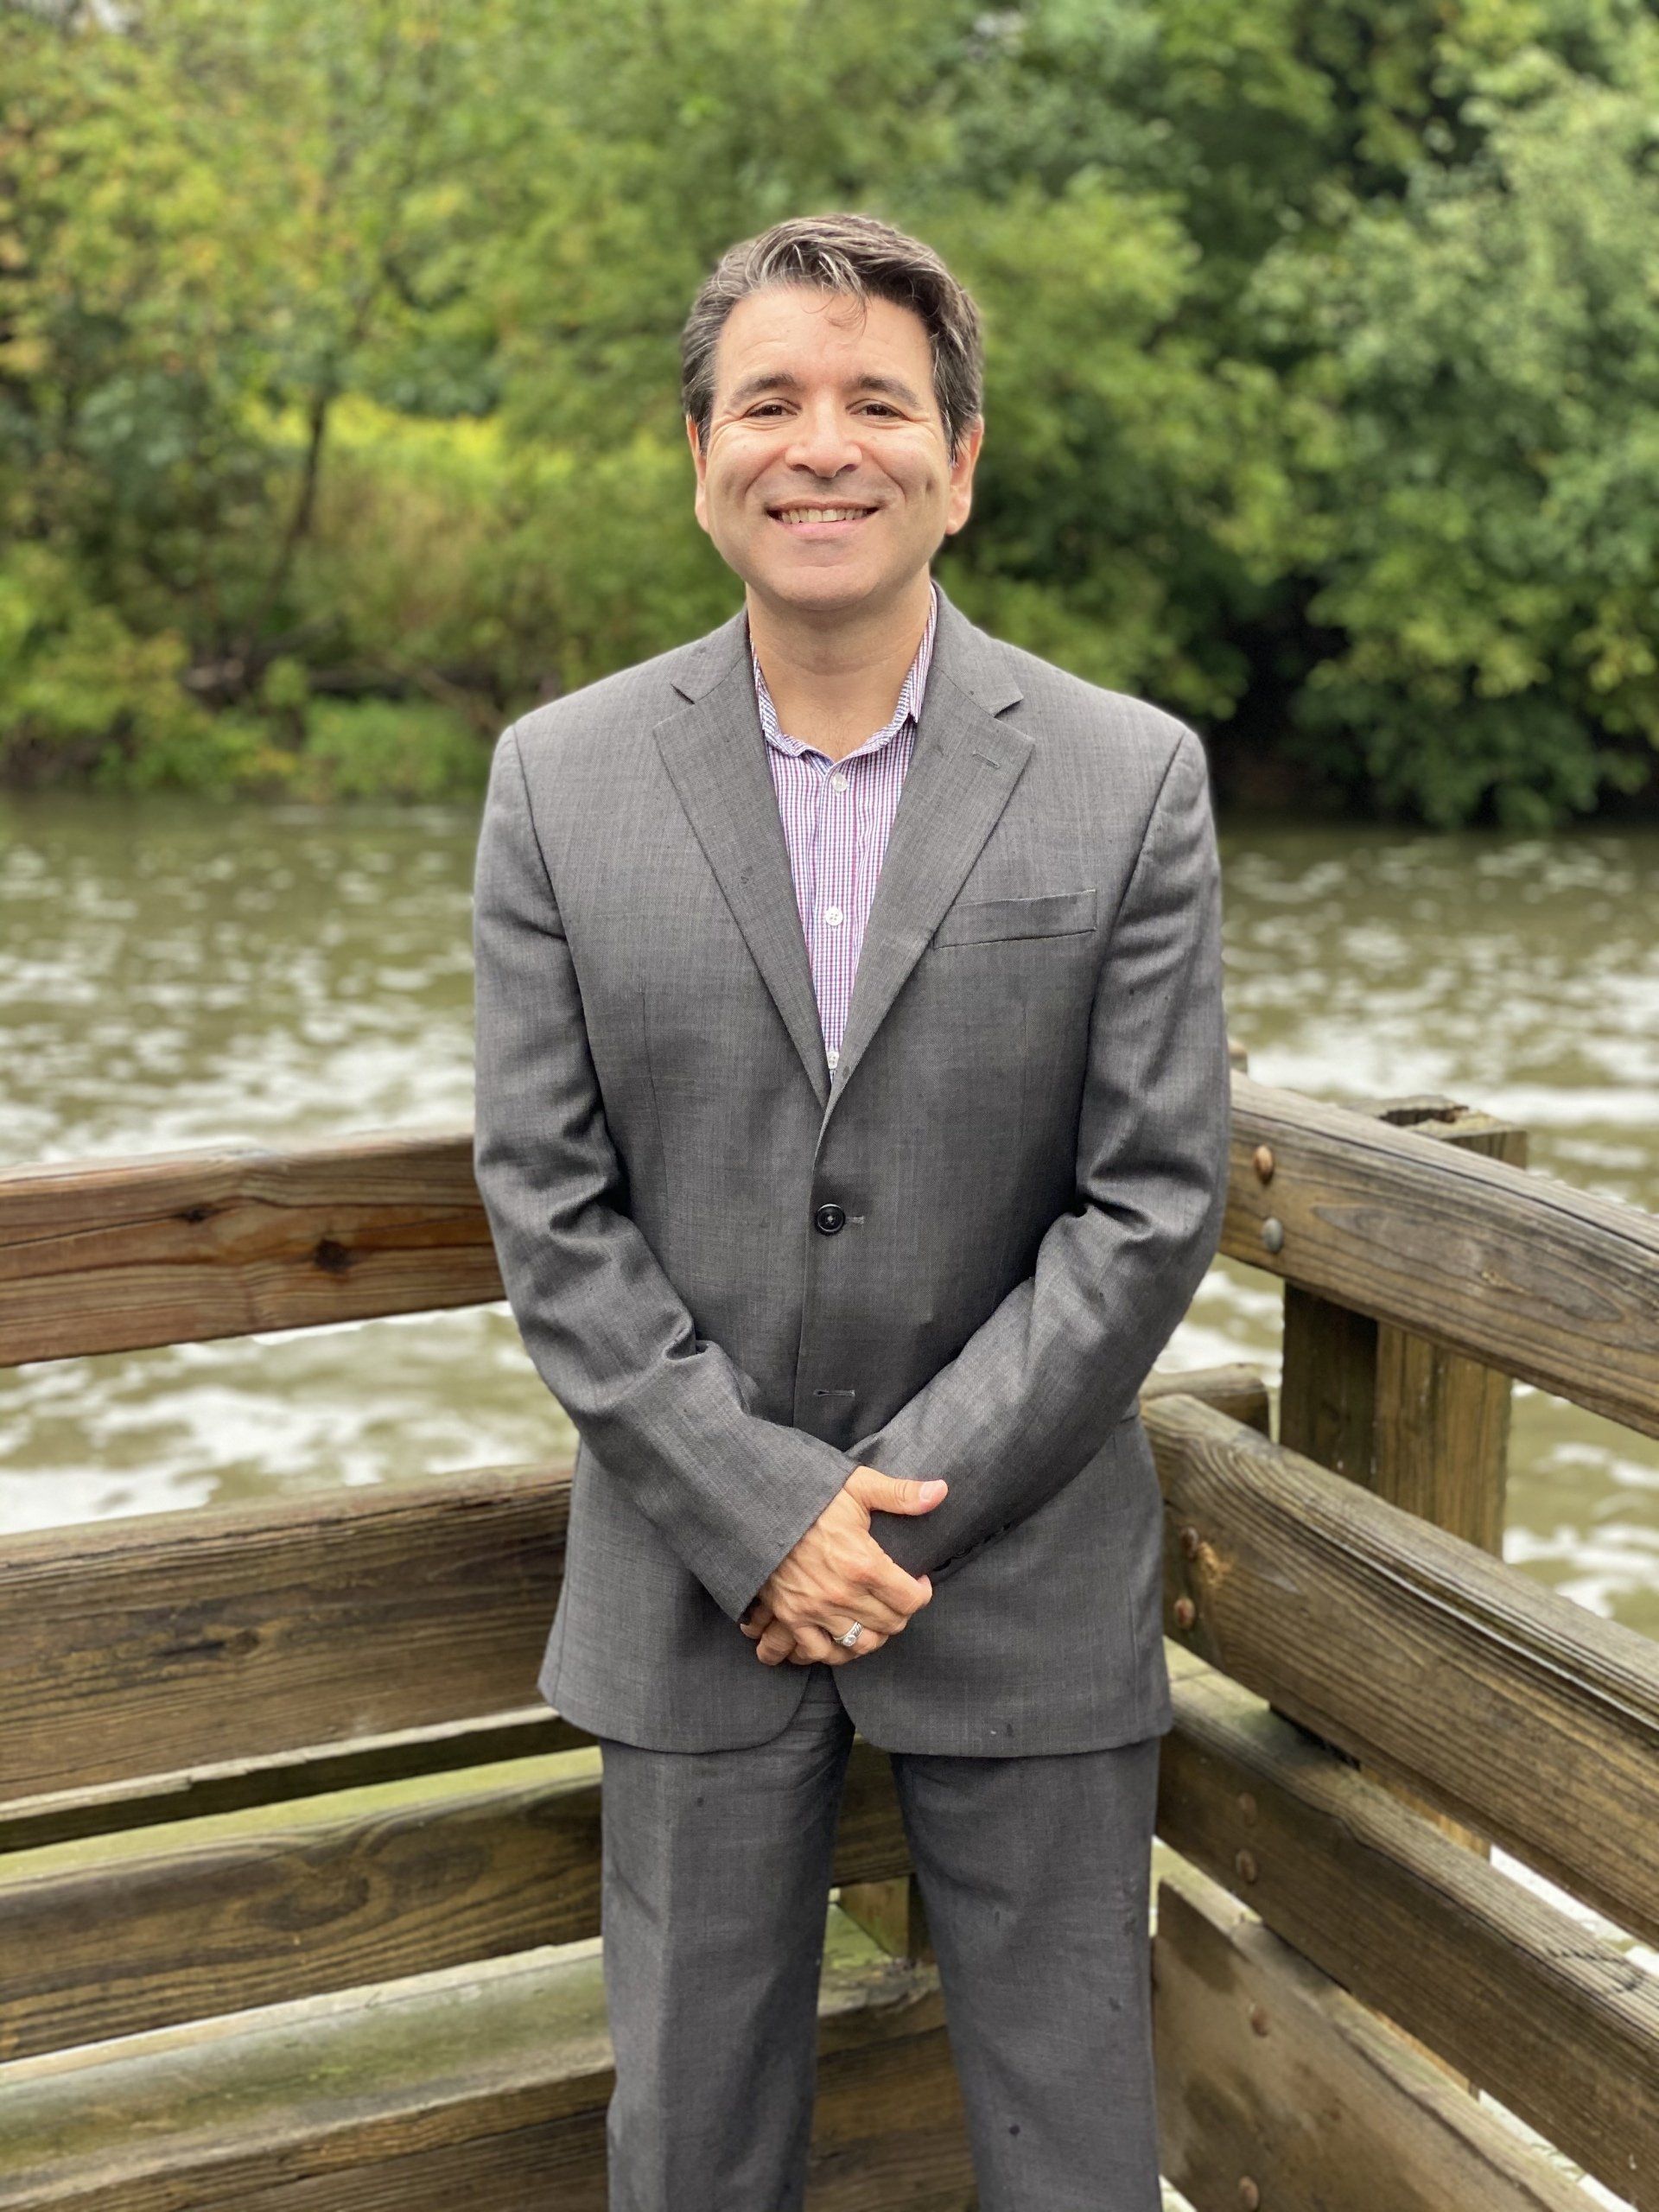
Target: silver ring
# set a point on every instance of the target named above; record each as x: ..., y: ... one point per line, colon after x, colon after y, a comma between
x: 851, y: 1637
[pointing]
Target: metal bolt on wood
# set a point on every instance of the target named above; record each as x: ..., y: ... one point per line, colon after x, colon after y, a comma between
x: 1185, y: 1613
x: 1244, y: 1865
x: 1247, y: 1808
x: 1190, y: 1542
x: 1258, y: 2019
x: 1261, y: 1161
x: 1273, y: 1233
x: 1249, y: 2195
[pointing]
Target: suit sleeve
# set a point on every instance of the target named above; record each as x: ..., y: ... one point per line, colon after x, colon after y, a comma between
x: 1034, y: 1393
x: 666, y: 1412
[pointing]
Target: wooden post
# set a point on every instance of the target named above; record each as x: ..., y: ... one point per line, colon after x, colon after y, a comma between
x: 1426, y: 1428
x: 890, y: 1914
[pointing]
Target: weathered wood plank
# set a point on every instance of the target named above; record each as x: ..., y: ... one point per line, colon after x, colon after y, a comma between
x: 1421, y: 1426
x: 234, y: 1785
x: 1511, y: 1707
x: 892, y: 1914
x: 1277, y: 2088
x: 167, y: 1642
x: 490, y: 2080
x: 175, y: 1640
x: 121, y: 1934
x: 117, y: 1255
x: 1562, y: 2027
x: 1556, y: 1286
x: 1418, y: 1425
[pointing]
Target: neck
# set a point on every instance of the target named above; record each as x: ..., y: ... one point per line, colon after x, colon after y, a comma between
x: 835, y: 679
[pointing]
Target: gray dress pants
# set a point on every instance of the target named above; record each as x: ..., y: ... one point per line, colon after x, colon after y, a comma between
x: 1035, y: 1873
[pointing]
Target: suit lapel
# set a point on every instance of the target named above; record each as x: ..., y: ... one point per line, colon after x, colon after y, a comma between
x: 965, y: 764
x: 715, y: 754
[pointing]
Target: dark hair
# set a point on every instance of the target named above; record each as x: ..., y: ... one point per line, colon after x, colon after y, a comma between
x: 841, y: 253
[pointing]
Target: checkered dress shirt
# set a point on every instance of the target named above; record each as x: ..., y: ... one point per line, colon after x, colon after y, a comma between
x: 836, y: 816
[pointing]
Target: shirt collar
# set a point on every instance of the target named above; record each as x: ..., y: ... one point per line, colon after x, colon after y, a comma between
x: 909, y: 707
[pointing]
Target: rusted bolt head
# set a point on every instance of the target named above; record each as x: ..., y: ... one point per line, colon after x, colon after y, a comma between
x: 1249, y: 2195
x: 1258, y: 2019
x: 1261, y: 1161
x: 1247, y: 1808
x: 1190, y: 1542
x: 1244, y: 1865
x: 1273, y: 1233
x: 1185, y: 1613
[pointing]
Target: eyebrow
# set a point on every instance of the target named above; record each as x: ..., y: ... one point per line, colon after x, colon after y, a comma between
x: 777, y: 380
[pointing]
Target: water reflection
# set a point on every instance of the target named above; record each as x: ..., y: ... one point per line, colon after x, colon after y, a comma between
x: 178, y: 974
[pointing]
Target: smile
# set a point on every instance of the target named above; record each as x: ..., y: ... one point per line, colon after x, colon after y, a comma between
x: 796, y: 517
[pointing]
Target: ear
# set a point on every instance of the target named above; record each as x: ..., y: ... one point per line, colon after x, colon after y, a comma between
x: 961, y: 500
x: 699, y: 504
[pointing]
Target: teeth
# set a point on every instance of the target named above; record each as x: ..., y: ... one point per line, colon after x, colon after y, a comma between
x: 821, y: 514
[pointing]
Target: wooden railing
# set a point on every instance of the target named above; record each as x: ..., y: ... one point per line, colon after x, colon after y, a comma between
x: 282, y: 1834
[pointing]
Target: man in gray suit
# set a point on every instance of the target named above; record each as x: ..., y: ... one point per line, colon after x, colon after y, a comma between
x: 852, y: 1119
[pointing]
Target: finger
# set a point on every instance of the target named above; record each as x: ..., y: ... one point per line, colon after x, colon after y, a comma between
x: 870, y: 1640
x: 882, y: 1493
x: 819, y: 1642
x: 890, y: 1585
x: 865, y: 1605
x: 776, y: 1643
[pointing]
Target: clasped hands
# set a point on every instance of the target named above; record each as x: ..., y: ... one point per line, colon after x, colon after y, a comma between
x: 837, y: 1573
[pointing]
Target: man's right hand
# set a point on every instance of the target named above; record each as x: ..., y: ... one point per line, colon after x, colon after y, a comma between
x: 838, y: 1573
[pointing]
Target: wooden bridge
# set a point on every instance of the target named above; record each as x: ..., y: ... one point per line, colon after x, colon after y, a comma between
x: 299, y: 1894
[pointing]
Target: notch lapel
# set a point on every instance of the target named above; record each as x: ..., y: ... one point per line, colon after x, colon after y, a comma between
x: 715, y: 754
x: 964, y: 767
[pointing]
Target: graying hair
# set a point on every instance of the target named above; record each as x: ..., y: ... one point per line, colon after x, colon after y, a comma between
x: 856, y: 254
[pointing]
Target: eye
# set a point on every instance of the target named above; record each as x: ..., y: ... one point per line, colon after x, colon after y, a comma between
x: 768, y: 406
x: 881, y: 407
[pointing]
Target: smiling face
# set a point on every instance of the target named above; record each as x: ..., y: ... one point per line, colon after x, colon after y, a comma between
x: 826, y: 481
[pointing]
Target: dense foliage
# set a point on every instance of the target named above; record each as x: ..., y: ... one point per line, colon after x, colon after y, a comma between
x: 338, y: 404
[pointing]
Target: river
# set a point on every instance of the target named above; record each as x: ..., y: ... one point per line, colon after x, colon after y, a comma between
x: 175, y: 973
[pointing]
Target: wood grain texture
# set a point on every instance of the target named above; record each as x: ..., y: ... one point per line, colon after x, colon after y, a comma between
x: 1425, y: 1427
x: 1553, y: 1285
x: 1268, y: 2073
x: 1513, y: 1709
x: 177, y: 1640
x: 118, y: 1254
x: 490, y: 2080
x: 164, y: 1642
x: 1417, y: 1424
x: 892, y: 1914
x: 235, y: 1785
x: 114, y: 1937
x: 1562, y: 2027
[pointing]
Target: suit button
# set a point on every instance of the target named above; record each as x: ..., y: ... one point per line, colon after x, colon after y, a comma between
x: 828, y: 1219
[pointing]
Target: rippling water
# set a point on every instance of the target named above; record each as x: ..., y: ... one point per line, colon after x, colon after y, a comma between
x: 176, y: 975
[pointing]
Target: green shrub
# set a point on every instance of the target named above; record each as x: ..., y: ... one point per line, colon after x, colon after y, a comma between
x: 383, y: 748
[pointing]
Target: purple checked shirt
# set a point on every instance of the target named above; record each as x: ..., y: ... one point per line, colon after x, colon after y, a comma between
x: 836, y: 816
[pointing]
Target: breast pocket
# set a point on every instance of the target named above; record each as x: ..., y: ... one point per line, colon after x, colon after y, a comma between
x: 990, y: 921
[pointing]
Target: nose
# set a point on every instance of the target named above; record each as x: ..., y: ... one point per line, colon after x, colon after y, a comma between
x: 823, y: 442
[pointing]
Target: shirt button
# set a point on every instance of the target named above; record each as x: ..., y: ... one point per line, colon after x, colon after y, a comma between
x: 837, y: 782
x: 833, y: 917
x: 833, y: 1056
x: 827, y: 1220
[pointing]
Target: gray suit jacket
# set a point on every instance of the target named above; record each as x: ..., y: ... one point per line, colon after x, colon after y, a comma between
x: 1026, y: 1134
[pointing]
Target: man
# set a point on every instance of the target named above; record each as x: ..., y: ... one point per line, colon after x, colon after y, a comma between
x: 852, y: 1118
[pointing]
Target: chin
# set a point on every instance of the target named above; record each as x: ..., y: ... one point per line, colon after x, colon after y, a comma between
x: 820, y: 590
